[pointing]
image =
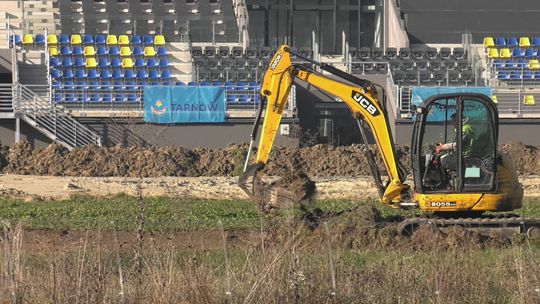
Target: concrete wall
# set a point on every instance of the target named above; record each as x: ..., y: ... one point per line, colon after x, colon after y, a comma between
x: 443, y: 21
x: 28, y: 133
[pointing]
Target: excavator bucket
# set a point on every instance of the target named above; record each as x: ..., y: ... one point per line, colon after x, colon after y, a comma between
x: 283, y: 193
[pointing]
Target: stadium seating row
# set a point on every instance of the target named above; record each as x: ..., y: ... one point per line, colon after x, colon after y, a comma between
x: 516, y: 53
x: 87, y: 39
x: 124, y: 51
x: 490, y: 42
x: 532, y: 64
x: 517, y: 75
x: 104, y: 74
x: 107, y: 92
x: 416, y: 53
x: 238, y: 51
x: 104, y: 62
x: 432, y: 78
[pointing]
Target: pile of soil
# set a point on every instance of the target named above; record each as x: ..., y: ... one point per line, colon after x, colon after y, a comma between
x: 316, y: 161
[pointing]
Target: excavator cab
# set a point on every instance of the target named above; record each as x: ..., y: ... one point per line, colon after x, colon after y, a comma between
x: 467, y: 125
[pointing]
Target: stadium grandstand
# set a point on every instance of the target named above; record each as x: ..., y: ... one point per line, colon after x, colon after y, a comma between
x: 96, y: 71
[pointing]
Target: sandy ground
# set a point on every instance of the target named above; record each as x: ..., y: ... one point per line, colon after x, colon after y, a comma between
x: 50, y: 187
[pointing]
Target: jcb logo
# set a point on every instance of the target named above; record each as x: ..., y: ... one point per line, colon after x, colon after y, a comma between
x: 276, y: 61
x: 365, y: 103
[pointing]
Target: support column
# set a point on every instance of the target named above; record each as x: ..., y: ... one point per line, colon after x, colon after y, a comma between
x: 17, y: 130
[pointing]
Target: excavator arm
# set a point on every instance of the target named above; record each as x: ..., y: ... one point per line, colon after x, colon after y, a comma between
x: 361, y: 100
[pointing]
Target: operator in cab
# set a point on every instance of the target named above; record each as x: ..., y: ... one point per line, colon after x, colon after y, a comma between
x: 468, y: 137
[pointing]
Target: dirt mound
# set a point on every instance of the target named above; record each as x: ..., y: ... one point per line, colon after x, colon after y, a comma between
x: 315, y: 161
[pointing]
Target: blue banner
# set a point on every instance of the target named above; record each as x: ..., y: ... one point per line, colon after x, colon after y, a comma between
x: 167, y: 104
x: 420, y: 94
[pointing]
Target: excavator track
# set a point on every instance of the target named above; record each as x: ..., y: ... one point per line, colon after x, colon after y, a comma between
x: 522, y: 225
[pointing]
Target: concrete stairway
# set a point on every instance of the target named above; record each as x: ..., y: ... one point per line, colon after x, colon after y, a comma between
x: 180, y: 60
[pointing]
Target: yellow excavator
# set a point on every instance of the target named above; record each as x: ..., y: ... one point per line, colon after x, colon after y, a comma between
x: 457, y: 171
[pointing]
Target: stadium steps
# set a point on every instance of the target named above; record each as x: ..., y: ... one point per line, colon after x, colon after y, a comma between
x: 180, y: 59
x: 40, y: 15
x: 230, y: 19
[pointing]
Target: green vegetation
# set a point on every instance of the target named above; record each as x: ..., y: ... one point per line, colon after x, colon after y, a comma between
x: 163, y: 213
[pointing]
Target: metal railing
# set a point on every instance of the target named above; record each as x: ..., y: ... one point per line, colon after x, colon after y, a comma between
x: 510, y: 101
x: 52, y: 120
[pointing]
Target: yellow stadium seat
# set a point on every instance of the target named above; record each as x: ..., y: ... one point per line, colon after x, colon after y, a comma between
x: 112, y: 39
x: 534, y: 64
x: 76, y: 39
x: 505, y: 53
x: 494, y: 98
x: 53, y: 51
x: 127, y: 63
x: 125, y: 51
x: 159, y: 40
x: 28, y: 39
x: 528, y: 100
x: 91, y: 62
x: 489, y: 42
x: 123, y: 40
x: 493, y: 53
x: 89, y: 51
x: 524, y: 42
x: 149, y: 51
x: 52, y: 39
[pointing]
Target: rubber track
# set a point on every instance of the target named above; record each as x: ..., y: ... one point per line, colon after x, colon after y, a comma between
x: 524, y: 224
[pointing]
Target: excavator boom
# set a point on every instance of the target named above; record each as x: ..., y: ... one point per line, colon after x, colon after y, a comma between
x: 361, y: 100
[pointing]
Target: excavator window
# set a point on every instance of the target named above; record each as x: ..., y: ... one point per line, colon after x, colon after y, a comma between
x: 457, y: 146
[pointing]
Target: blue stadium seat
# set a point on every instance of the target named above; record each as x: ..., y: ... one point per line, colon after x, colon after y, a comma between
x: 65, y: 50
x: 229, y: 85
x: 102, y: 51
x: 135, y: 40
x: 205, y: 84
x: 55, y: 73
x: 537, y: 75
x: 191, y: 83
x: 40, y: 39
x: 116, y: 74
x: 128, y: 74
x: 536, y: 42
x: 103, y: 63
x: 165, y: 74
x: 180, y: 83
x: 131, y: 85
x: 500, y: 41
x: 142, y: 82
x: 515, y: 75
x: 497, y: 63
x: 153, y: 74
x: 88, y: 39
x: 139, y: 63
x: 243, y: 99
x: 217, y: 84
x: 518, y: 53
x: 93, y: 85
x: 522, y: 64
x: 131, y: 97
x: 163, y: 63
x: 119, y: 97
x: 68, y: 85
x: 115, y: 62
x: 513, y: 42
x: 100, y: 39
x: 148, y: 39
x: 118, y: 85
x: 91, y: 74
x: 141, y: 74
x: 253, y: 85
x: 155, y: 83
x: 106, y: 97
x: 509, y: 63
x: 79, y: 62
x: 527, y: 74
x: 105, y: 84
x: 54, y: 62
x: 137, y: 51
x: 63, y: 39
x: 79, y: 73
x: 66, y: 62
x: 77, y: 51
x: 530, y: 53
x: 113, y: 51
x: 17, y: 39
x: 104, y: 74
x: 151, y: 63
x: 161, y: 51
x: 231, y: 98
x: 92, y: 97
